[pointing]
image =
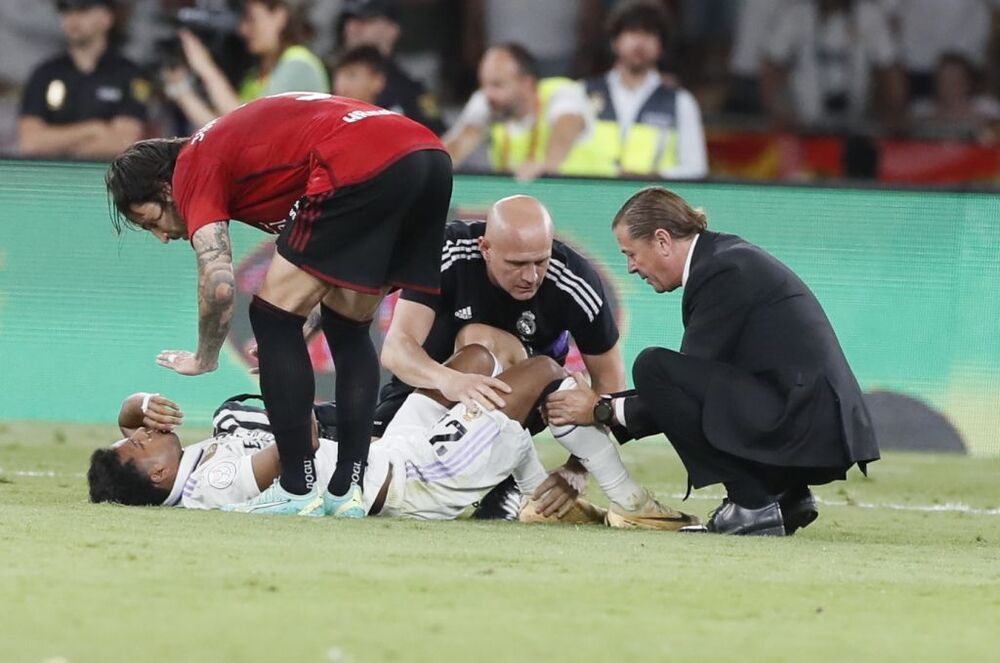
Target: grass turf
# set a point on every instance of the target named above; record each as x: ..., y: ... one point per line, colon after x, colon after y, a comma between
x: 878, y: 577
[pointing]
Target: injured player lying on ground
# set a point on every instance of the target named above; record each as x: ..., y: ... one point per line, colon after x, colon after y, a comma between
x: 435, y: 460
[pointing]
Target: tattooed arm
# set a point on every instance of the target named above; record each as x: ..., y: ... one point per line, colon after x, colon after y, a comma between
x: 216, y: 296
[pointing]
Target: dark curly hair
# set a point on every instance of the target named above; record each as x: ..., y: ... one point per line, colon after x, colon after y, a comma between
x: 138, y: 174
x: 639, y: 15
x: 113, y: 481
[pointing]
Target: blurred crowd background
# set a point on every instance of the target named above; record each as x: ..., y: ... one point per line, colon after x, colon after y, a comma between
x: 891, y: 90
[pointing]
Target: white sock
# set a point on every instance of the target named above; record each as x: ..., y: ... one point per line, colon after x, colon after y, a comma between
x: 599, y: 454
x: 530, y: 473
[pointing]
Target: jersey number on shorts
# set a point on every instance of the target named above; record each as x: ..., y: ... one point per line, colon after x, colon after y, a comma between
x: 458, y: 431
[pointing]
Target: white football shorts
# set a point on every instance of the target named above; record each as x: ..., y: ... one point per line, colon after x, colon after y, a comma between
x: 445, y: 460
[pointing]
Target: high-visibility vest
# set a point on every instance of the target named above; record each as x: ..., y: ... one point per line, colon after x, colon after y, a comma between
x: 649, y: 147
x: 507, y: 151
x: 254, y: 84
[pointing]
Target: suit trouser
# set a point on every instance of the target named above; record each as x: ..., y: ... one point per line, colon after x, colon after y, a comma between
x: 672, y: 388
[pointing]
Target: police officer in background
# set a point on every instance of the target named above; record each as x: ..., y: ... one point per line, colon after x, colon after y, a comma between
x: 376, y: 23
x: 645, y: 126
x: 89, y: 102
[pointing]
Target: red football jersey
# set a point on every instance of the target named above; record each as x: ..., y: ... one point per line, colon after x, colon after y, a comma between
x: 252, y: 164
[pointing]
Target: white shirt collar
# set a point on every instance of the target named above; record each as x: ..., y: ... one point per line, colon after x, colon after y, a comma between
x: 652, y: 81
x: 190, y: 457
x: 687, y: 261
x: 627, y: 102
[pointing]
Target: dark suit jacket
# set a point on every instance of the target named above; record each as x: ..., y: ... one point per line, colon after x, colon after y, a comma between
x: 744, y: 308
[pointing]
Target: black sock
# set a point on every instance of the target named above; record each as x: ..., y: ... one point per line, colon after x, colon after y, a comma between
x: 288, y: 387
x: 357, y: 366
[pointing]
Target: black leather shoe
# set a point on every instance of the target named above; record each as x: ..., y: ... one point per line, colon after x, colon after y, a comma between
x: 731, y: 518
x: 798, y: 508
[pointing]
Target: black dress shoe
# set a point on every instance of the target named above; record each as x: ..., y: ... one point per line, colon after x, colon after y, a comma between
x: 798, y: 508
x: 731, y: 518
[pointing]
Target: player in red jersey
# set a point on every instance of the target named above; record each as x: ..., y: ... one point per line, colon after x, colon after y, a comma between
x: 357, y: 196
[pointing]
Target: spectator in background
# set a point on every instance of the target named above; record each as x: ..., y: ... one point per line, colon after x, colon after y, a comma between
x: 925, y: 30
x: 644, y: 126
x: 957, y: 112
x: 376, y: 23
x: 820, y: 58
x: 360, y: 74
x: 89, y: 102
x: 562, y: 34
x: 534, y: 126
x: 755, y: 21
x: 323, y: 17
x: 274, y: 31
x: 29, y: 34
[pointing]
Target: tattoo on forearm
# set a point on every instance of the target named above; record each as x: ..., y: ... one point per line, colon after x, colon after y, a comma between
x: 216, y: 289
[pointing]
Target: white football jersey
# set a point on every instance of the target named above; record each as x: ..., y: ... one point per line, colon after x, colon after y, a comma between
x: 220, y: 470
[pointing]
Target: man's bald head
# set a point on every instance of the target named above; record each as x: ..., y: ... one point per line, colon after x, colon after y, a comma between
x: 517, y: 245
x: 507, y: 77
x: 521, y: 219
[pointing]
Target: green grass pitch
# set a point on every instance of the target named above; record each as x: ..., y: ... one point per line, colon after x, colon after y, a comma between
x: 904, y: 566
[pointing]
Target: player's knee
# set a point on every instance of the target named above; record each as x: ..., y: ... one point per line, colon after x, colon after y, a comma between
x: 505, y: 346
x: 473, y: 358
x: 547, y: 368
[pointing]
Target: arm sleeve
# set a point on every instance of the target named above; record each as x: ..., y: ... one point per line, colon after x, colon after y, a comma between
x: 591, y: 320
x: 638, y: 423
x: 296, y: 76
x: 201, y: 194
x: 571, y: 100
x: 135, y: 98
x: 476, y: 112
x: 33, y: 99
x: 692, y: 156
x: 421, y: 105
x: 597, y: 336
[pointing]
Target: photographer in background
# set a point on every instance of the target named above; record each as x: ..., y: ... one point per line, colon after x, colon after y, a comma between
x: 274, y: 31
x: 89, y: 102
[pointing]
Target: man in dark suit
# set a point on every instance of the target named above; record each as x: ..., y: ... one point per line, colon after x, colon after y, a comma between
x: 760, y: 398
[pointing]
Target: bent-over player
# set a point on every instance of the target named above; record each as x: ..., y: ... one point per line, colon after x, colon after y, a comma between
x: 358, y: 197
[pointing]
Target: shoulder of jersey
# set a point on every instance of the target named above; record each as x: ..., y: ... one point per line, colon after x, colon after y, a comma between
x: 55, y: 64
x: 461, y: 243
x: 459, y: 229
x: 572, y: 275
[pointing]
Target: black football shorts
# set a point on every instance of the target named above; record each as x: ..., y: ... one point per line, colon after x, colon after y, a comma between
x: 385, y: 231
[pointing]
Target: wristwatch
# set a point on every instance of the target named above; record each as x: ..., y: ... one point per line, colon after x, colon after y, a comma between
x: 604, y: 412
